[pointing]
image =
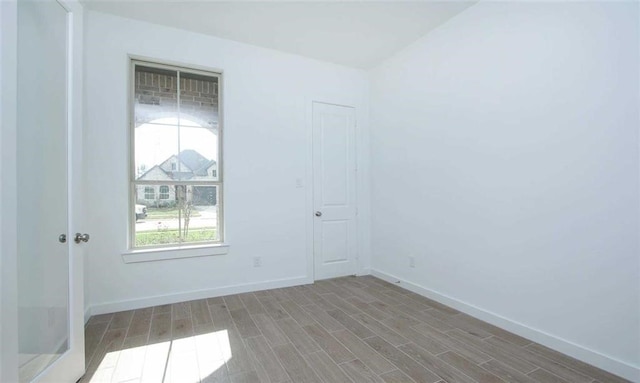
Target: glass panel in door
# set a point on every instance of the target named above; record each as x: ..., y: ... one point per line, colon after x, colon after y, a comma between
x: 43, y: 257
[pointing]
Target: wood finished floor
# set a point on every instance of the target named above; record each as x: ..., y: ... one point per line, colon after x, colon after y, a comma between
x: 352, y: 329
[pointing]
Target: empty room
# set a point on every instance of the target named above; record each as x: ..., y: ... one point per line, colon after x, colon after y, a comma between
x: 319, y: 191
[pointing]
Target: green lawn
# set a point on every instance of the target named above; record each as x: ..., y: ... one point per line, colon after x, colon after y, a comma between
x: 160, y: 237
x: 167, y: 213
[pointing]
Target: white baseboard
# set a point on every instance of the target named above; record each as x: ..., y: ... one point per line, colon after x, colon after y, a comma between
x: 110, y: 307
x: 364, y: 272
x: 607, y: 363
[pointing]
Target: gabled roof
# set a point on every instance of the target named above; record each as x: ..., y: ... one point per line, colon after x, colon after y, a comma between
x: 194, y: 160
x: 196, y: 165
x: 152, y: 169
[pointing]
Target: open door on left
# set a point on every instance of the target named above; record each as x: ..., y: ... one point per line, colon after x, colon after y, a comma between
x: 49, y: 262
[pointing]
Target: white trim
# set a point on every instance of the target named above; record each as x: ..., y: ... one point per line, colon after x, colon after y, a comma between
x: 160, y: 254
x: 361, y: 159
x: 8, y: 190
x: 133, y: 61
x: 564, y: 346
x: 110, y: 307
x: 364, y: 271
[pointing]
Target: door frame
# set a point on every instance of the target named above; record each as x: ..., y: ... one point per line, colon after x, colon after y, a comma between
x: 362, y: 261
x: 73, y: 359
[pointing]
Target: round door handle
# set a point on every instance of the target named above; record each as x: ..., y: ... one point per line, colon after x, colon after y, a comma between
x: 62, y: 238
x: 81, y: 238
x: 318, y: 214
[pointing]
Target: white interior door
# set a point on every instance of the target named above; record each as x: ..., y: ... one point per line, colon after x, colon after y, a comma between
x: 49, y: 268
x: 334, y: 191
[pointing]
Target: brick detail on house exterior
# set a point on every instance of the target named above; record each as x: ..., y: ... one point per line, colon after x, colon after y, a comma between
x: 156, y: 97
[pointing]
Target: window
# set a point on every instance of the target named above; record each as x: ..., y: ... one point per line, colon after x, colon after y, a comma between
x: 176, y: 147
x: 164, y: 192
x: 149, y: 193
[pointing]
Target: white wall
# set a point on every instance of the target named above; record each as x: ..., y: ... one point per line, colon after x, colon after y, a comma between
x: 266, y: 100
x: 505, y: 159
x: 8, y: 235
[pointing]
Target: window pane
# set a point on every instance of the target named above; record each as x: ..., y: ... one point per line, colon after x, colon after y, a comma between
x: 156, y: 94
x: 198, y: 100
x: 190, y: 214
x: 156, y: 152
x: 198, y: 154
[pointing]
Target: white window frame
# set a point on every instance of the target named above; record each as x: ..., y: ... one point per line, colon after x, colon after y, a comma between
x: 186, y: 249
x: 161, y: 193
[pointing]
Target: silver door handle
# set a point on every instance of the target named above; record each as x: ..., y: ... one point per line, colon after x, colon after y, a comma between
x: 62, y: 238
x: 81, y: 238
x: 318, y: 214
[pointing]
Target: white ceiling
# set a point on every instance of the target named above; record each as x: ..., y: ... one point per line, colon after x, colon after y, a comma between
x: 357, y: 34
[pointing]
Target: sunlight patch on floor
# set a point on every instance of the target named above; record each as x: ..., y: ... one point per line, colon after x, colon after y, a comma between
x: 185, y: 360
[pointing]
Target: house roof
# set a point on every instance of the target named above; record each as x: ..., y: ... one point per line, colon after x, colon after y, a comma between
x: 196, y: 164
x: 194, y: 160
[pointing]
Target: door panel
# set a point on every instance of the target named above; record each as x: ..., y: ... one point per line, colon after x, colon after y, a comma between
x: 335, y: 241
x: 47, y: 308
x: 334, y: 190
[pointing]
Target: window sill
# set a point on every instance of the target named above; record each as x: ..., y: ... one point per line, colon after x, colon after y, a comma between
x: 161, y: 254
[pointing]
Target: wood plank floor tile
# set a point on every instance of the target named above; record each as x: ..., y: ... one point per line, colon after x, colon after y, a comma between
x: 270, y: 329
x: 329, y: 344
x: 252, y: 303
x: 505, y: 372
x: 401, y: 360
x: 351, y: 324
x: 380, y: 329
x: 140, y: 323
x: 443, y: 370
x: 326, y: 368
x: 367, y: 355
x: 499, y: 353
x: 396, y: 376
x: 575, y: 364
x: 160, y: 329
x: 295, y: 365
x: 552, y: 366
x: 180, y: 310
x: 297, y: 313
x: 341, y: 304
x: 94, y: 331
x: 544, y: 376
x: 447, y: 342
x: 121, y: 320
x: 365, y: 307
x: 220, y: 315
x: 469, y: 368
x: 439, y: 323
x: 403, y: 328
x: 200, y: 313
x: 267, y: 359
x: 245, y: 377
x: 162, y: 309
x: 238, y: 359
x: 359, y: 329
x: 321, y: 316
x: 233, y: 302
x: 245, y: 325
x: 300, y: 339
x: 358, y: 372
x: 273, y: 308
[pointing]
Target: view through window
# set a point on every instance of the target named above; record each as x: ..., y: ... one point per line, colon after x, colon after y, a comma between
x: 176, y: 170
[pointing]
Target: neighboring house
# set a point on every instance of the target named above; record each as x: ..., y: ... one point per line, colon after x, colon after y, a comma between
x: 188, y: 165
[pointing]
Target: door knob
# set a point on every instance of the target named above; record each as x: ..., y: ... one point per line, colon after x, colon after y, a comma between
x: 81, y: 238
x: 62, y: 238
x: 318, y: 214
